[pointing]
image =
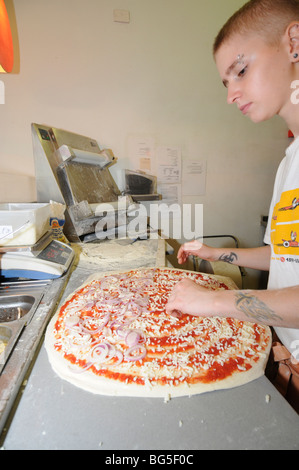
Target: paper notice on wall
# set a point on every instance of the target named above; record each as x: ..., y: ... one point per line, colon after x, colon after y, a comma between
x: 171, y: 193
x: 194, y: 178
x: 141, y: 152
x: 168, y: 164
x: 171, y: 199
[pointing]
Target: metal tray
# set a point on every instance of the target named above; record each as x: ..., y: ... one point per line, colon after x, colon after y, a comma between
x: 16, y: 311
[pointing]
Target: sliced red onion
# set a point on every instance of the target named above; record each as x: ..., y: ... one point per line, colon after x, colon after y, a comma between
x: 100, y: 327
x: 129, y: 356
x: 107, y: 331
x: 110, y: 302
x: 104, y: 284
x: 132, y: 338
x: 119, y: 355
x: 102, y: 353
x: 70, y: 322
x: 121, y: 332
x: 129, y: 304
x: 90, y: 291
x: 89, y: 304
x: 121, y: 323
x: 91, y: 331
x: 99, y: 352
x: 130, y: 317
x: 141, y: 335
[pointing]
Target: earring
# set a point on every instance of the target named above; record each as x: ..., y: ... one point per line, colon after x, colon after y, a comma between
x: 295, y: 55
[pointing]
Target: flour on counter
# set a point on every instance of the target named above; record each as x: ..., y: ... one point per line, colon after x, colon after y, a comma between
x: 112, y: 254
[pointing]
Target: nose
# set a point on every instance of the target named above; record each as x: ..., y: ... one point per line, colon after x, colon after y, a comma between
x: 233, y: 93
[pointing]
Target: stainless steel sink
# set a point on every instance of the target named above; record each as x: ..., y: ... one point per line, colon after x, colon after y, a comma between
x: 15, y: 307
x: 25, y: 309
x: 18, y: 303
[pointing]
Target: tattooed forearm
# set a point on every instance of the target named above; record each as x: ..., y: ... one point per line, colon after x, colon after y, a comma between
x: 254, y: 308
x: 228, y: 258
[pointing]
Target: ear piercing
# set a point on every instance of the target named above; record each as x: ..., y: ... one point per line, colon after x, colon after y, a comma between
x: 295, y: 55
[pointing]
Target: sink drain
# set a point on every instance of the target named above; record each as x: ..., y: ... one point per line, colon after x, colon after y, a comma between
x: 11, y: 314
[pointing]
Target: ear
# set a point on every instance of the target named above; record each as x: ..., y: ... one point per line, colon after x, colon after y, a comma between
x: 292, y: 34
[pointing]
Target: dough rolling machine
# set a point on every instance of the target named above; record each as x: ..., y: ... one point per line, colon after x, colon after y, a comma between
x: 72, y: 169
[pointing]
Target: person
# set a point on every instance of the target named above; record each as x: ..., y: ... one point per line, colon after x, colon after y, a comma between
x: 257, y: 57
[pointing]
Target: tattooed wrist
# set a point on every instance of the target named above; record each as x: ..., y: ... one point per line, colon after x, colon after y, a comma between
x: 228, y: 258
x: 254, y: 308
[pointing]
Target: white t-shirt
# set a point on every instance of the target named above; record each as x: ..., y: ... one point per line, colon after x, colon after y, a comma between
x: 283, y: 235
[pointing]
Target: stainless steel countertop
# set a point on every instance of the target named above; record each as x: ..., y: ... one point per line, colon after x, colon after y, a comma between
x: 53, y: 414
x: 47, y: 295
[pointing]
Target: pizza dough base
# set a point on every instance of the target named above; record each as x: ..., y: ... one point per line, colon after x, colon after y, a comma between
x: 103, y: 386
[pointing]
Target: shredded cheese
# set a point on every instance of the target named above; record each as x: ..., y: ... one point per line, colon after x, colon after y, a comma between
x: 179, y: 351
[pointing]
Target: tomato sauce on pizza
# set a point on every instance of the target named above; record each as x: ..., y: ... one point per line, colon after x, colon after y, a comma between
x: 113, y: 336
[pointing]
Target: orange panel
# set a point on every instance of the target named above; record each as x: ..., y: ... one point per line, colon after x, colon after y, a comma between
x: 6, y: 44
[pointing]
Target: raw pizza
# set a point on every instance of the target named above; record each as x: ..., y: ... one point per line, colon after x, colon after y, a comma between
x: 113, y: 337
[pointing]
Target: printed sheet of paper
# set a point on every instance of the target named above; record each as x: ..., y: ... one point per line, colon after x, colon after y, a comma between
x: 142, y: 153
x: 168, y: 164
x: 171, y: 193
x: 194, y: 178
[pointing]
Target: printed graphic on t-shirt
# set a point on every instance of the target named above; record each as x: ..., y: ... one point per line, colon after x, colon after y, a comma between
x: 285, y: 224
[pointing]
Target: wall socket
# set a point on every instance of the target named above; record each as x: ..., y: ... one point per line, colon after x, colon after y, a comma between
x: 121, y: 16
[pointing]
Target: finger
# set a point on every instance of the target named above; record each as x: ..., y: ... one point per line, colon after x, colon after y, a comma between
x: 189, y: 249
x: 175, y: 313
x: 182, y: 256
